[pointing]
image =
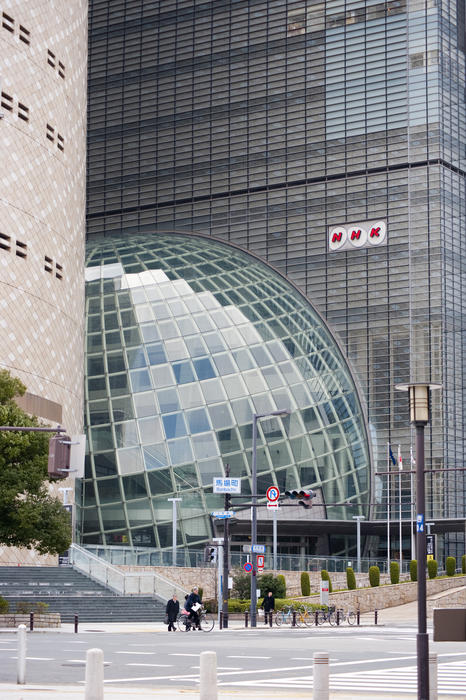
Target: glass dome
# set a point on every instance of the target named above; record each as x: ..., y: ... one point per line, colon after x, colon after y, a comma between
x: 187, y: 338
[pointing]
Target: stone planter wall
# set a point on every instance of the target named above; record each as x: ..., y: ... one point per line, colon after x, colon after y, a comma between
x: 44, y: 620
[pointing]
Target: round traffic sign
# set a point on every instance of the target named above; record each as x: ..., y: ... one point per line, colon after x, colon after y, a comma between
x: 247, y: 566
x: 273, y: 494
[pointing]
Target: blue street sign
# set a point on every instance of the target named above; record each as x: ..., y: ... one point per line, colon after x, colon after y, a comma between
x: 258, y: 548
x: 420, y: 523
x: 222, y: 514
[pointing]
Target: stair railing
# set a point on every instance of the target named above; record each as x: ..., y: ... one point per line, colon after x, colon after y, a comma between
x: 123, y: 582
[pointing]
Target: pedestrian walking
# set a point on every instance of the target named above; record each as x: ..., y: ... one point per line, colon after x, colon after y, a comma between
x: 171, y: 612
x: 192, y: 606
x: 268, y: 604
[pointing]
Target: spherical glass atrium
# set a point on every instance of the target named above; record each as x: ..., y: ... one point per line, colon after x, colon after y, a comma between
x: 187, y: 338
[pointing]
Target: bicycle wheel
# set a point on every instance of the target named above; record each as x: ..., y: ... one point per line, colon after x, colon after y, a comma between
x: 184, y: 624
x: 300, y: 616
x: 206, y: 622
x: 309, y: 618
x: 321, y: 617
x: 351, y: 617
x: 279, y: 618
x: 332, y: 618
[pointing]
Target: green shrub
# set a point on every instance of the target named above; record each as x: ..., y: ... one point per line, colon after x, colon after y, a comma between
x: 432, y: 568
x: 24, y: 607
x: 394, y: 572
x: 280, y: 590
x: 41, y: 607
x: 374, y: 576
x: 463, y: 564
x: 238, y: 606
x: 305, y: 584
x: 324, y: 575
x: 210, y: 605
x: 200, y: 592
x: 241, y: 585
x: 413, y: 569
x: 269, y: 582
x: 450, y: 566
x: 350, y: 579
x: 4, y: 605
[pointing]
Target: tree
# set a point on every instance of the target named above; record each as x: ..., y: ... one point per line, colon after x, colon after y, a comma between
x: 29, y: 516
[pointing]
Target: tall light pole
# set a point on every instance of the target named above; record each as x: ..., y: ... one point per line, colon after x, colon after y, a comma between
x: 255, y: 418
x: 419, y: 405
x: 174, y: 501
x: 358, y: 519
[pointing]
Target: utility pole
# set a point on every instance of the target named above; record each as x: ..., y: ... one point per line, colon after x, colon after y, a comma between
x: 226, y: 555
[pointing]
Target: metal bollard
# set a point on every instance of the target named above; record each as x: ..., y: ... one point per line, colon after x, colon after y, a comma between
x: 220, y: 619
x: 21, y: 667
x: 293, y: 618
x: 225, y: 621
x: 94, y: 689
x: 358, y: 616
x: 338, y: 618
x: 433, y: 676
x: 316, y: 618
x: 270, y: 618
x: 76, y: 619
x: 31, y: 622
x: 245, y: 618
x: 321, y: 676
x: 376, y: 616
x: 208, y: 676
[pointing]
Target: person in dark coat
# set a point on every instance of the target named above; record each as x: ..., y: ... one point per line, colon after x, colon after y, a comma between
x: 193, y: 600
x: 268, y: 604
x: 171, y: 611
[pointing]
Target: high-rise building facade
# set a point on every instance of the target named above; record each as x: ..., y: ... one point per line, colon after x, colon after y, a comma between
x: 42, y: 203
x: 43, y: 77
x: 329, y: 139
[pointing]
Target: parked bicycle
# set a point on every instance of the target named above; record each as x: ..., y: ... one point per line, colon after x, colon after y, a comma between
x: 206, y: 622
x: 284, y: 616
x: 305, y: 617
x: 339, y: 616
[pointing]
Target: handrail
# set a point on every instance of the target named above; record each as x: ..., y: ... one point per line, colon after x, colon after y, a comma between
x: 121, y: 582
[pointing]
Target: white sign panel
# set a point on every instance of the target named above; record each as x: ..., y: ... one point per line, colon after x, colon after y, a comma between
x: 273, y: 505
x: 324, y: 592
x: 362, y: 234
x: 222, y: 485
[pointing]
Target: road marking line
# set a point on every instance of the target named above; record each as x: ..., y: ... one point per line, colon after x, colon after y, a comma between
x: 139, y: 653
x: 152, y: 665
x: 174, y: 654
x: 248, y: 657
x: 35, y: 658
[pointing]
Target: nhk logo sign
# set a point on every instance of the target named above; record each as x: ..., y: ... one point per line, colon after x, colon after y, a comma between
x: 364, y: 234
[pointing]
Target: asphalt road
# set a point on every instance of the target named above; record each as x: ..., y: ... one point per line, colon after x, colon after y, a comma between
x: 261, y: 658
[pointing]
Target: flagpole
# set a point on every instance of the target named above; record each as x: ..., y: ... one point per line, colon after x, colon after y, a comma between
x: 388, y: 507
x: 400, y: 467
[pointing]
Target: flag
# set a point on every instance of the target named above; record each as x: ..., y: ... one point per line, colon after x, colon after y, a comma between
x: 400, y: 460
x: 413, y: 461
x: 391, y: 455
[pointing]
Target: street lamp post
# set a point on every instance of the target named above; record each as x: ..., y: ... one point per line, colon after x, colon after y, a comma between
x: 174, y: 501
x: 255, y: 418
x: 358, y: 519
x: 419, y: 405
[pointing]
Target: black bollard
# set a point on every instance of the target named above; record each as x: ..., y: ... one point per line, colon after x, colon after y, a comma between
x: 245, y: 618
x: 270, y: 618
x: 358, y: 616
x: 221, y: 619
x: 376, y: 616
x: 316, y: 618
x: 338, y: 618
x: 31, y: 622
x: 76, y: 624
x: 293, y: 619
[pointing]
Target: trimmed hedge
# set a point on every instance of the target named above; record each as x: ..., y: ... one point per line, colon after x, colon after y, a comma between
x: 450, y: 566
x: 324, y: 575
x: 4, y: 606
x: 305, y: 584
x: 374, y: 576
x: 394, y: 572
x: 25, y: 607
x: 240, y: 606
x: 280, y: 590
x: 350, y: 579
x: 463, y: 564
x: 432, y: 568
x: 413, y: 569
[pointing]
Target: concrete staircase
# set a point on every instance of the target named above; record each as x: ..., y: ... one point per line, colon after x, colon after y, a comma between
x: 69, y: 592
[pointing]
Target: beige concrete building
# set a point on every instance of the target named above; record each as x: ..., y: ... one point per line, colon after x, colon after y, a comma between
x: 43, y: 79
x: 43, y: 70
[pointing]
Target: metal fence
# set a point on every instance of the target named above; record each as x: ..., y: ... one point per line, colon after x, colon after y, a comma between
x: 125, y: 556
